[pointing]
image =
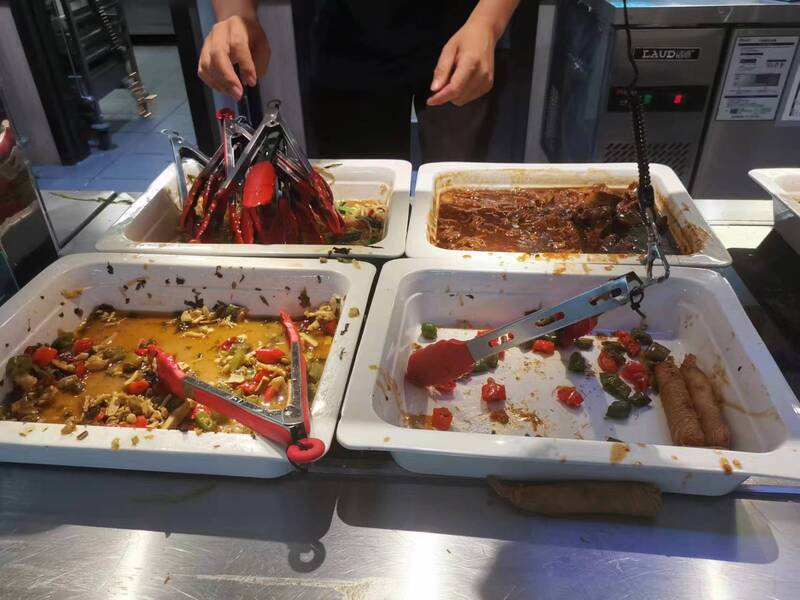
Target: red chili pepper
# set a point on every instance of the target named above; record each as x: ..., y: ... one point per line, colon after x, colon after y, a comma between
x: 82, y: 345
x: 141, y: 421
x: 607, y: 362
x: 442, y: 418
x: 247, y: 226
x: 330, y: 327
x: 258, y: 225
x: 569, y: 396
x: 235, y: 222
x: 100, y: 417
x: 44, y: 355
x: 210, y: 191
x: 80, y: 369
x: 491, y: 391
x: 141, y: 351
x: 289, y: 224
x: 570, y: 333
x: 269, y: 356
x: 636, y: 374
x: 191, y: 199
x: 308, y: 222
x: 446, y: 388
x: 544, y: 346
x: 137, y: 387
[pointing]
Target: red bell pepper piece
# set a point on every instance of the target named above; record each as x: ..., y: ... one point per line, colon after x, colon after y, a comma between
x: 269, y: 356
x: 82, y: 345
x: 607, y: 362
x: 544, y: 346
x: 137, y: 387
x: 442, y: 418
x: 570, y: 333
x: 80, y: 369
x: 259, y: 185
x: 44, y: 355
x: 636, y: 374
x: 492, y: 391
x: 329, y: 327
x: 569, y: 396
x: 446, y: 388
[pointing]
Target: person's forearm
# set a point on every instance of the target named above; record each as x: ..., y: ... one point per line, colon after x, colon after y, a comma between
x: 225, y: 9
x: 495, y: 13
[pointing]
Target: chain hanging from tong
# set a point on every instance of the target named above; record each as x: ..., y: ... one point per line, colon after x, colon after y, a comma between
x: 645, y: 188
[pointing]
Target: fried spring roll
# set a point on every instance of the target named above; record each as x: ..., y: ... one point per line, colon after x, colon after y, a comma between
x: 716, y: 430
x: 684, y: 424
x: 582, y: 497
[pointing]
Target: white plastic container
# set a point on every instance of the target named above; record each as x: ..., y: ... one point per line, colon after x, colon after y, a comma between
x: 695, y: 311
x: 37, y: 312
x: 687, y: 224
x: 150, y: 225
x: 784, y: 187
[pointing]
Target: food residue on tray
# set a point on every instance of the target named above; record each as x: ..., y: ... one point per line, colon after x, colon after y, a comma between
x: 595, y: 219
x: 630, y: 368
x: 103, y: 374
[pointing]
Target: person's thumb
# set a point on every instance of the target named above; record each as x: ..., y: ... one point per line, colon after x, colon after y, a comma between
x: 444, y: 67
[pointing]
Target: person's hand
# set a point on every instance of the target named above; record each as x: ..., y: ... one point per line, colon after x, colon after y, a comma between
x: 465, y: 70
x: 235, y: 40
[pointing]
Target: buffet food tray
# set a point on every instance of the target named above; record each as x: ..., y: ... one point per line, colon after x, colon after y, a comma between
x: 150, y: 225
x: 694, y: 311
x: 160, y: 284
x: 784, y: 187
x: 687, y: 225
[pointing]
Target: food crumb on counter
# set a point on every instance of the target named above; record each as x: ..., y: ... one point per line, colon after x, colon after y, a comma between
x: 115, y: 444
x: 83, y: 435
x: 353, y: 312
x: 68, y: 427
x: 386, y: 439
x: 71, y: 294
x: 726, y: 465
x: 737, y: 463
x: 135, y: 440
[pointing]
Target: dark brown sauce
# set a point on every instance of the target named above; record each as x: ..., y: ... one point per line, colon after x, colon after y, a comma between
x: 595, y: 220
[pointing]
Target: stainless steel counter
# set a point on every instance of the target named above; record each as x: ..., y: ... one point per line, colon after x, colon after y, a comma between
x: 358, y: 527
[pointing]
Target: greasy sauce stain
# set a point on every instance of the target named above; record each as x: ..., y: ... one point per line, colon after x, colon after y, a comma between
x: 198, y: 353
x: 619, y: 451
x: 767, y: 412
x: 418, y: 421
x: 737, y: 463
x: 726, y: 465
x: 526, y: 415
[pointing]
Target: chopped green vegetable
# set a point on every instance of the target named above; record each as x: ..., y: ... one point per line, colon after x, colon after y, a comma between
x: 615, y: 386
x: 641, y: 336
x: 204, y: 421
x: 584, y: 343
x: 577, y: 363
x: 132, y: 361
x: 315, y: 369
x: 114, y: 353
x: 484, y: 364
x: 612, y: 346
x: 64, y: 340
x: 237, y: 360
x: 640, y: 399
x: 70, y: 384
x: 429, y: 331
x: 17, y: 366
x: 656, y: 352
x: 619, y: 409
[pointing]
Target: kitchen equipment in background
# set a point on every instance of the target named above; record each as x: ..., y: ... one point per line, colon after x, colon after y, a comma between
x: 721, y: 96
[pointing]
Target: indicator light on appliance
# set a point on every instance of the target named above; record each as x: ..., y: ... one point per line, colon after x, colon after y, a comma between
x: 677, y: 99
x: 648, y: 99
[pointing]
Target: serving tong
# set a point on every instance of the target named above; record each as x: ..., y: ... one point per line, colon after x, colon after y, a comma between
x: 290, y: 426
x: 447, y: 360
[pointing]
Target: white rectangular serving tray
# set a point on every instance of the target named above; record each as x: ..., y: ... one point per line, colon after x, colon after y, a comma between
x: 671, y: 197
x: 694, y: 311
x: 150, y: 225
x: 37, y: 312
x: 784, y: 187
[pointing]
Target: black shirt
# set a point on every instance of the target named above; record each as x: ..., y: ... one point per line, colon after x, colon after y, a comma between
x: 381, y: 44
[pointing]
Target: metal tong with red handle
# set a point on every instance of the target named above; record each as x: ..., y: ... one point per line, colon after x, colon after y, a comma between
x: 290, y: 426
x: 447, y: 360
